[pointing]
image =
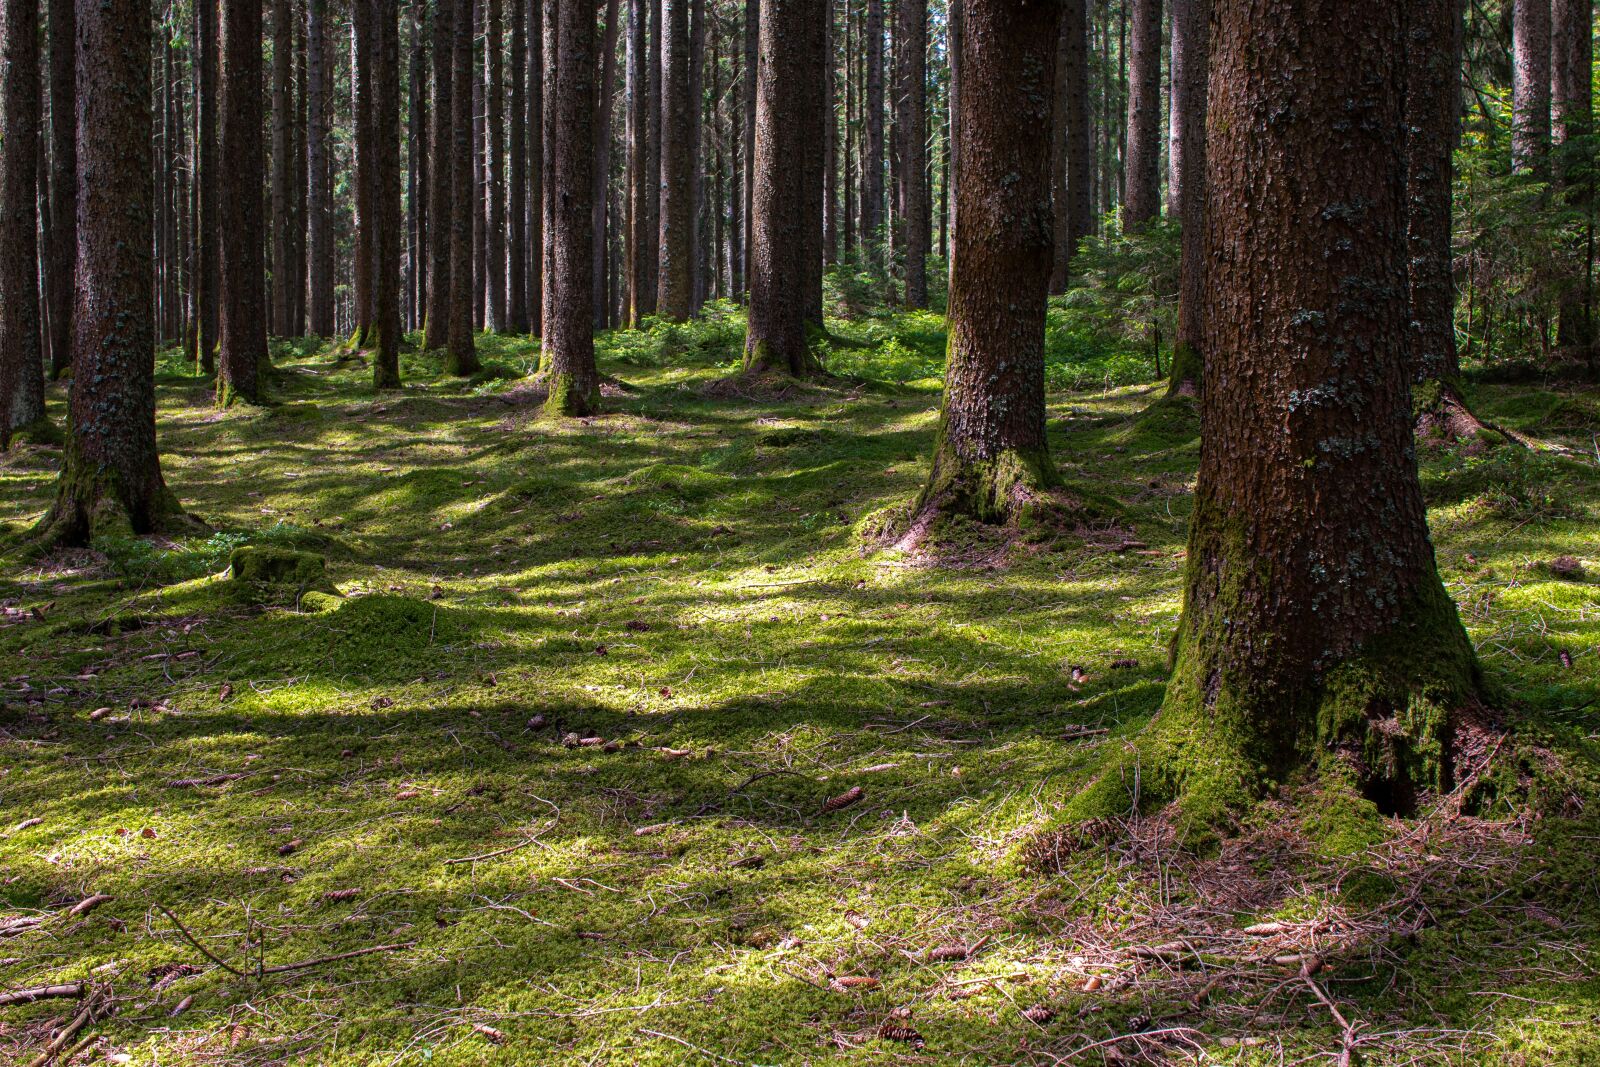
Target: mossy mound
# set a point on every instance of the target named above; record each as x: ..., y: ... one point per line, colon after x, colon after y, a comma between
x: 257, y: 565
x: 383, y: 636
x: 1170, y: 422
x: 791, y: 436
x: 430, y: 488
x: 685, y: 483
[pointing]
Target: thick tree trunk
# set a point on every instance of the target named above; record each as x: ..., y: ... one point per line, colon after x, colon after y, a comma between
x: 1530, y: 86
x: 319, y: 167
x: 675, y: 273
x: 911, y: 128
x: 242, y: 361
x: 991, y: 458
x: 495, y: 237
x: 461, y: 355
x: 21, y: 355
x: 111, y: 482
x: 282, y: 164
x: 386, y: 325
x: 569, y: 371
x: 791, y: 43
x: 1572, y: 115
x: 441, y: 197
x: 1190, y: 43
x: 517, y: 257
x: 1315, y: 628
x: 1141, y: 198
x: 63, y: 179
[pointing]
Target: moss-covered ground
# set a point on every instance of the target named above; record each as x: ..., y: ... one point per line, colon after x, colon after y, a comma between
x: 565, y: 742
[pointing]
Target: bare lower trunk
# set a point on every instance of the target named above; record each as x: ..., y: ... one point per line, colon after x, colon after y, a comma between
x: 21, y: 354
x: 1141, y: 199
x: 517, y: 207
x: 1190, y: 43
x: 319, y: 166
x: 495, y: 236
x: 675, y: 274
x: 461, y: 357
x: 1530, y: 86
x: 386, y: 324
x: 282, y: 165
x: 1572, y: 114
x: 242, y: 358
x: 436, y: 323
x: 63, y: 179
x: 911, y: 48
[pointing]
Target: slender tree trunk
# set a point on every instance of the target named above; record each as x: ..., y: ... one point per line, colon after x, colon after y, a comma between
x: 791, y: 45
x: 480, y: 168
x: 417, y: 167
x: 282, y: 161
x: 1530, y: 86
x: 241, y: 171
x: 570, y: 372
x: 991, y: 457
x: 63, y: 179
x: 319, y: 166
x: 495, y: 237
x: 536, y: 164
x: 638, y: 182
x: 21, y: 355
x: 461, y: 356
x: 384, y: 22
x: 675, y: 273
x: 601, y: 170
x: 1572, y: 113
x: 517, y: 259
x: 739, y: 133
x: 1142, y: 194
x: 111, y: 482
x: 441, y: 197
x: 361, y: 105
x: 208, y: 278
x: 872, y: 220
x: 1315, y: 628
x: 650, y: 232
x: 1060, y: 215
x: 300, y: 173
x: 1190, y: 41
x: 697, y: 197
x: 552, y: 52
x: 911, y: 64
x: 752, y: 51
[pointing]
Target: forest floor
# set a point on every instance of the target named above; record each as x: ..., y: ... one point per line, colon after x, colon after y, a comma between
x: 560, y: 752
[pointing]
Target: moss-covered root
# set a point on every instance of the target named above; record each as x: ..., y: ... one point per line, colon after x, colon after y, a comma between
x: 230, y: 395
x: 1005, y: 488
x: 1186, y: 367
x: 92, y: 504
x: 569, y: 398
x: 1442, y: 416
x: 1387, y: 719
x: 761, y: 360
x: 39, y: 432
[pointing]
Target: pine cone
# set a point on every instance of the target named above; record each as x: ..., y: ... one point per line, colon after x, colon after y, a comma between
x: 850, y: 796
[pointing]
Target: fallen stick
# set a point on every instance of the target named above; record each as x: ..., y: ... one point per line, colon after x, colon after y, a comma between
x: 88, y: 904
x: 213, y: 779
x: 42, y: 992
x: 284, y: 968
x: 70, y: 1031
x: 524, y: 843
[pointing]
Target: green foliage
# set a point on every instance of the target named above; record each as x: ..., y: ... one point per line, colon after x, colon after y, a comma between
x: 145, y: 560
x: 1120, y: 311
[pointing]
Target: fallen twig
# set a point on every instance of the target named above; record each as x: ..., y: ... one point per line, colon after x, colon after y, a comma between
x: 42, y: 992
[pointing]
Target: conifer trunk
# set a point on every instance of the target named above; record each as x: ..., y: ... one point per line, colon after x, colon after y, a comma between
x: 461, y: 357
x: 242, y: 359
x: 517, y: 208
x: 1141, y: 197
x: 208, y: 277
x: 63, y: 179
x: 361, y: 103
x: 1530, y: 86
x: 872, y: 161
x: 495, y: 236
x: 282, y: 166
x: 21, y: 354
x: 441, y: 197
x: 911, y: 128
x: 1190, y: 44
x: 675, y: 273
x: 319, y: 168
x: 386, y: 324
x: 1572, y: 120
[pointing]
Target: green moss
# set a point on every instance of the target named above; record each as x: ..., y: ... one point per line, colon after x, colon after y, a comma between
x: 1186, y: 371
x: 39, y: 432
x: 278, y: 566
x: 686, y: 483
x: 569, y: 399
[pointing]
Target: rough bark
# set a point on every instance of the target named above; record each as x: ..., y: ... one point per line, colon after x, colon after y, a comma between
x: 495, y: 236
x: 1190, y: 43
x: 638, y: 184
x: 386, y: 325
x: 416, y: 296
x: 319, y: 167
x: 361, y: 103
x: 791, y: 41
x: 1315, y: 628
x: 111, y: 482
x: 1530, y: 86
x: 675, y: 270
x: 21, y: 355
x: 208, y: 276
x: 651, y: 231
x: 242, y: 359
x: 1074, y: 163
x: 536, y: 164
x: 569, y: 371
x: 911, y: 127
x: 63, y: 179
x: 1141, y: 196
x: 990, y: 458
x: 441, y: 197
x: 752, y: 51
x: 1572, y: 120
x: 601, y: 170
x: 461, y: 356
x: 517, y: 209
x: 282, y: 166
x: 480, y: 168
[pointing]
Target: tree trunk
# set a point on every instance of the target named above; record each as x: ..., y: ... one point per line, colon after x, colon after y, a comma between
x: 208, y: 279
x: 111, y: 482
x: 297, y: 312
x: 495, y: 237
x: 601, y: 170
x: 480, y: 167
x: 638, y: 184
x: 417, y: 167
x: 536, y: 164
x: 1530, y: 86
x: 752, y: 51
x: 791, y: 45
x: 911, y: 127
x: 517, y: 258
x: 386, y: 326
x: 441, y: 197
x: 990, y: 459
x: 872, y: 236
x: 21, y: 357
x: 552, y: 52
x: 282, y: 162
x: 1141, y: 198
x: 1191, y: 31
x: 319, y: 166
x: 1571, y: 74
x: 675, y: 274
x: 1315, y: 629
x: 361, y: 103
x: 651, y: 231
x: 570, y: 373
x: 738, y: 134
x: 461, y: 357
x: 63, y: 179
x: 243, y: 357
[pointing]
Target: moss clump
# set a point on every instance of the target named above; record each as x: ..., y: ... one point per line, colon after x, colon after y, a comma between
x: 568, y: 398
x: 790, y: 436
x: 269, y: 565
x: 685, y: 483
x: 1171, y: 421
x: 989, y: 490
x: 1184, y: 380
x: 382, y: 636
x: 38, y: 432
